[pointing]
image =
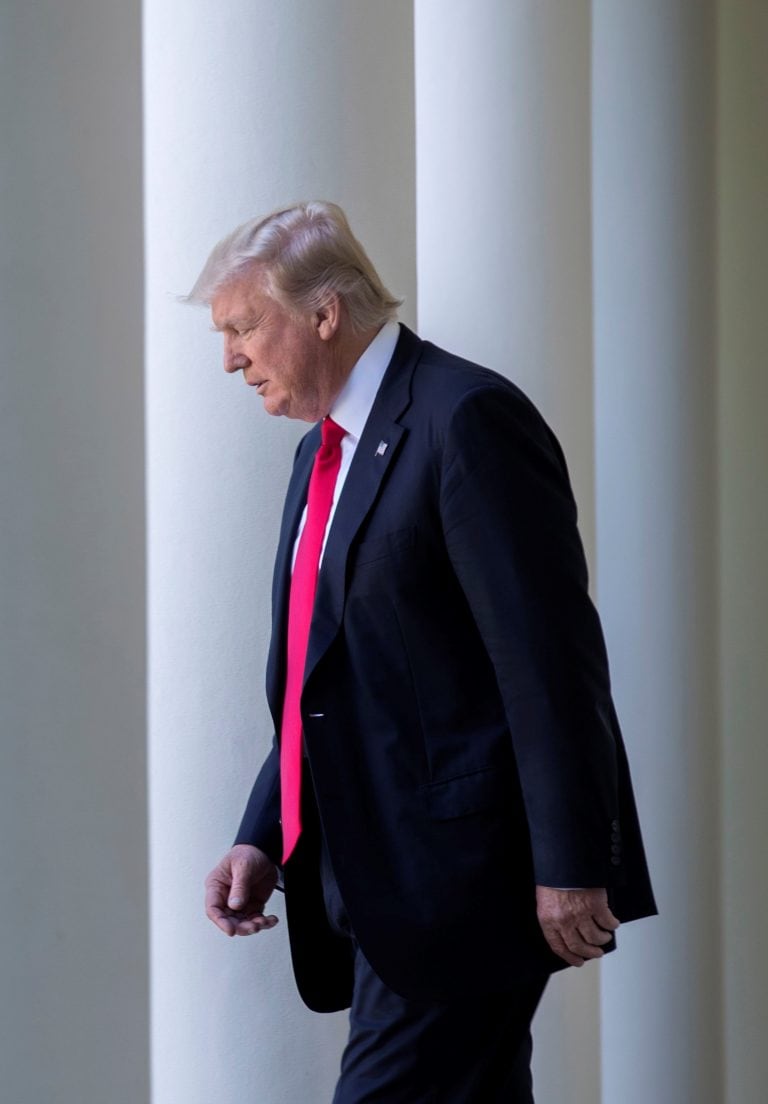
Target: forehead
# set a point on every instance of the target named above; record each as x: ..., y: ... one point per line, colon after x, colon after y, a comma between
x: 239, y: 299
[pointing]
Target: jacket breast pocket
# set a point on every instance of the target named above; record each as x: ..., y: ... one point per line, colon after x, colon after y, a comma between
x: 380, y: 548
x: 468, y: 793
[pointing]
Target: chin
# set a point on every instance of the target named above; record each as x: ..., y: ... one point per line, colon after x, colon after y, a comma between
x: 274, y: 407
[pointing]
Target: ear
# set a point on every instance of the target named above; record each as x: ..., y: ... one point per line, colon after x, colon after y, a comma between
x: 327, y: 319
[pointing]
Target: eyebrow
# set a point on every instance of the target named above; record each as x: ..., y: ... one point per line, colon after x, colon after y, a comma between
x: 233, y: 324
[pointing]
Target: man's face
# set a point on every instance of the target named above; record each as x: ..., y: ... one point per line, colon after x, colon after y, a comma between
x: 288, y: 359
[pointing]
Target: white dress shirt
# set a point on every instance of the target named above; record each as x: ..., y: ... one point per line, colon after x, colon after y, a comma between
x: 351, y: 409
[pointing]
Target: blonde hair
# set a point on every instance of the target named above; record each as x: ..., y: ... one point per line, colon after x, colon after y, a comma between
x: 308, y: 254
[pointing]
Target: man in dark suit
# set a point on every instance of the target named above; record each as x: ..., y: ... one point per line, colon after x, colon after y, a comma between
x: 447, y: 799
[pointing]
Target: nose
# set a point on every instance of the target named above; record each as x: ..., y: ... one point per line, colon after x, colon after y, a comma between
x: 234, y: 359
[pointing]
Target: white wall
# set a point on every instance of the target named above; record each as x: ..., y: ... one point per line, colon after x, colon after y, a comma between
x: 248, y: 105
x: 73, y: 936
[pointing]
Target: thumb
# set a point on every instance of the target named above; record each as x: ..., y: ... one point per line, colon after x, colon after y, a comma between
x: 239, y: 889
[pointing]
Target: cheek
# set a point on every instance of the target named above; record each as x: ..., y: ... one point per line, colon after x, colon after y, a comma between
x: 248, y: 349
x: 266, y: 358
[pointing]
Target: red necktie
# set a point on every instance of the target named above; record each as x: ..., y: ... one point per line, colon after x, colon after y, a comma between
x: 322, y: 483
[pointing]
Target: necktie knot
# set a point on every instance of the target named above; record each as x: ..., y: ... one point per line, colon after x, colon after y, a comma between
x: 332, y: 434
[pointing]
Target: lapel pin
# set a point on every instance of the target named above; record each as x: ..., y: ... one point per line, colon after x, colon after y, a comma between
x: 382, y: 448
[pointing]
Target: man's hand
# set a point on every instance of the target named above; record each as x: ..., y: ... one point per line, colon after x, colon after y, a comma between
x: 576, y: 922
x: 238, y: 888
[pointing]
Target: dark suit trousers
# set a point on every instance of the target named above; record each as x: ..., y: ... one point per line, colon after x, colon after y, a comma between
x: 413, y: 1052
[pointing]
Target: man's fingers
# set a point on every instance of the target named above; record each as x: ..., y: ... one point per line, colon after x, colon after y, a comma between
x: 221, y: 900
x: 578, y: 921
x: 581, y: 947
x: 570, y: 945
x: 237, y: 890
x: 232, y: 924
x: 605, y: 918
x: 254, y: 924
x: 220, y: 919
x: 215, y: 896
x: 591, y: 933
x: 558, y: 945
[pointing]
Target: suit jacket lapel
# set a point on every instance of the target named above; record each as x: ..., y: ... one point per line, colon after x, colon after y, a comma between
x: 377, y: 451
x: 366, y: 474
x: 295, y: 500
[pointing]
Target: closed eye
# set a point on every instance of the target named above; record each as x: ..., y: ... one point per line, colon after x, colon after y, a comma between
x: 238, y: 331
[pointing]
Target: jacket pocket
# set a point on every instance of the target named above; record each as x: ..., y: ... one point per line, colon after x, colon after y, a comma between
x: 468, y: 793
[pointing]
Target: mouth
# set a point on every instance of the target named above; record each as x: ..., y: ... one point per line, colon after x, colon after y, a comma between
x: 258, y: 384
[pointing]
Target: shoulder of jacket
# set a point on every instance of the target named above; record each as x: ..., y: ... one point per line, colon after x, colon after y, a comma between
x: 454, y: 386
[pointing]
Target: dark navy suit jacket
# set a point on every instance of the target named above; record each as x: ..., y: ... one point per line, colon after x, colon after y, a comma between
x: 461, y: 741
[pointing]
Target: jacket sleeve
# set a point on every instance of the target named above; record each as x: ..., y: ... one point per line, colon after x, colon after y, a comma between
x: 260, y: 825
x: 509, y: 523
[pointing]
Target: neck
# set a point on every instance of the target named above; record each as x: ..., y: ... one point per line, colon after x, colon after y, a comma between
x: 355, y: 346
x: 348, y: 351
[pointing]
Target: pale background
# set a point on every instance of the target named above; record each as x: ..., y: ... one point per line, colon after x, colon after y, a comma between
x: 573, y: 193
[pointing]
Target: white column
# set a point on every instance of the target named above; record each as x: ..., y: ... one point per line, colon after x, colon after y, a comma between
x: 248, y: 106
x: 655, y: 345
x: 503, y: 203
x: 73, y: 924
x: 743, y: 452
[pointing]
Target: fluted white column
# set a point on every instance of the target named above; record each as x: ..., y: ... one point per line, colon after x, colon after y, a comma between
x: 249, y: 105
x: 655, y: 345
x: 503, y: 140
x: 743, y: 453
x: 73, y: 923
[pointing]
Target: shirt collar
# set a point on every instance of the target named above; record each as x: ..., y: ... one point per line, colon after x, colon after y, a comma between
x: 355, y: 400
